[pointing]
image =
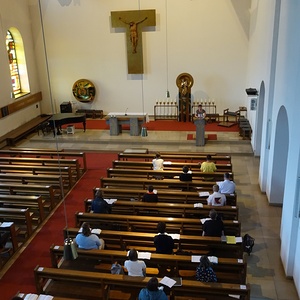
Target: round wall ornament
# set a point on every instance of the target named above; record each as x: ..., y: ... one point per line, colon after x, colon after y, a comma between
x: 84, y: 90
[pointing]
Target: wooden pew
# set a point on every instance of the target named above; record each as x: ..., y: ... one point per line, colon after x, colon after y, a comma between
x: 73, y: 163
x: 143, y: 183
x: 227, y: 269
x: 11, y: 228
x: 34, y: 203
x: 65, y: 172
x: 185, y: 158
x: 96, y: 285
x: 21, y: 217
x: 168, y: 209
x: 164, y: 195
x: 177, y: 166
x: 47, y: 191
x: 53, y: 153
x: 150, y: 174
x: 143, y: 241
x: 149, y: 223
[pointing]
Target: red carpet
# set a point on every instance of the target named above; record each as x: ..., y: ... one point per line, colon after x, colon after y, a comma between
x: 20, y: 276
x: 164, y: 125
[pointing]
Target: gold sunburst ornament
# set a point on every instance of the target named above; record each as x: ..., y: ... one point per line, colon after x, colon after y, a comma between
x: 84, y: 90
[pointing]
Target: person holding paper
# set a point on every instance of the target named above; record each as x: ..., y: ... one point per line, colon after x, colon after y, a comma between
x: 150, y: 196
x: 216, y: 198
x: 164, y: 243
x: 152, y: 292
x: 227, y: 186
x: 133, y: 266
x: 200, y: 112
x: 214, y: 226
x: 87, y: 240
x: 99, y: 205
x: 204, y: 271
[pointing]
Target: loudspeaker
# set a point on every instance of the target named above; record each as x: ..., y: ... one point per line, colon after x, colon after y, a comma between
x: 70, y: 129
x: 66, y: 107
x: 252, y: 92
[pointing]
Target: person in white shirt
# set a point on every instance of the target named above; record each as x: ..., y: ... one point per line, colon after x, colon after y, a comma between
x: 227, y: 186
x: 216, y: 198
x: 133, y: 266
x: 158, y: 163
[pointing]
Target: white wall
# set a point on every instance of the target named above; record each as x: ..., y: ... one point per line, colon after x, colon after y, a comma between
x: 204, y: 38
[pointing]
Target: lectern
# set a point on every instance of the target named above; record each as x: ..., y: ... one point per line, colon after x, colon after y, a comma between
x: 200, y: 131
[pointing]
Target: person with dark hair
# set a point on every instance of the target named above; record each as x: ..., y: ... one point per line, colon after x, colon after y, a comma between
x: 204, y: 271
x: 152, y: 292
x: 164, y: 243
x: 186, y: 175
x: 227, y: 186
x: 150, y: 196
x: 99, y: 205
x: 214, y: 226
x: 133, y: 266
x: 158, y: 163
x: 87, y: 240
x: 208, y: 166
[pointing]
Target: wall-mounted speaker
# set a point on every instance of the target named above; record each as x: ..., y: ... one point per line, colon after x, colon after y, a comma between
x: 252, y: 92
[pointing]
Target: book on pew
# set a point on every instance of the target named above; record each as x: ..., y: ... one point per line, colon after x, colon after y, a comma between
x: 6, y: 224
x: 95, y: 230
x: 169, y: 282
x: 200, y: 205
x: 231, y: 239
x: 203, y: 194
x: 110, y: 201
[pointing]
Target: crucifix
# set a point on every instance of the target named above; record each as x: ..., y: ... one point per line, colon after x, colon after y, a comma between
x: 134, y: 21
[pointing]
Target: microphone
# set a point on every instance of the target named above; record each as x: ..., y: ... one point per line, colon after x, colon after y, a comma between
x: 126, y: 111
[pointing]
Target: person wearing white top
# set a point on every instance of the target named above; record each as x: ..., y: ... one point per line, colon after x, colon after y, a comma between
x: 133, y: 266
x: 216, y: 198
x: 158, y: 163
x: 227, y: 186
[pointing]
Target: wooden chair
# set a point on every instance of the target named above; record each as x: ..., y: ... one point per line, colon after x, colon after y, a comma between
x: 227, y: 114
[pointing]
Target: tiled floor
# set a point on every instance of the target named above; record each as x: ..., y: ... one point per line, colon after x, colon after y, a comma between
x: 265, y: 271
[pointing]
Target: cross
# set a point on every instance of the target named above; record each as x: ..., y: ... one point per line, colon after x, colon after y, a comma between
x: 134, y: 21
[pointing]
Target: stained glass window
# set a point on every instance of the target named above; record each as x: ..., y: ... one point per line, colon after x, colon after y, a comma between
x: 13, y: 63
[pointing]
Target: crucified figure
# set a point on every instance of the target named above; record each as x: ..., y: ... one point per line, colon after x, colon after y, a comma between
x: 133, y: 32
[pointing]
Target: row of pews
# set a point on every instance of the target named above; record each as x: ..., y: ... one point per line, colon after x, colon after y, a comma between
x: 132, y: 224
x: 32, y: 184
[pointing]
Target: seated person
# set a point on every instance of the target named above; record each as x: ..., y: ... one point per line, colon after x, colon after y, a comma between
x: 227, y: 186
x: 158, y: 163
x: 164, y: 243
x: 213, y: 227
x: 133, y: 266
x: 186, y: 175
x: 4, y: 237
x: 87, y: 240
x: 152, y: 291
x: 99, y: 205
x: 216, y: 198
x: 204, y: 271
x: 208, y: 166
x: 150, y: 196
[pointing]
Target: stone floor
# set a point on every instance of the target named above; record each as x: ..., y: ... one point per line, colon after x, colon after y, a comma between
x: 265, y: 271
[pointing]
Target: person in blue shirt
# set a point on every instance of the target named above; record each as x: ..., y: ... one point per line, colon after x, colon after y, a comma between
x: 152, y: 292
x: 87, y: 240
x: 204, y: 271
x: 99, y: 205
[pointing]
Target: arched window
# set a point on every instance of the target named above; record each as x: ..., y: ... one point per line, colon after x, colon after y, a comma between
x: 17, y: 64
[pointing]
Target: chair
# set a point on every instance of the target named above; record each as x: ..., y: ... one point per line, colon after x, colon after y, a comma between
x: 227, y: 114
x: 44, y: 127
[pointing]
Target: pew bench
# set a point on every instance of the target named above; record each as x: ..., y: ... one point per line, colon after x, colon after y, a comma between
x: 52, y: 153
x: 184, y: 158
x: 164, y: 195
x: 152, y: 174
x: 21, y: 217
x: 228, y: 269
x: 190, y: 226
x: 35, y: 204
x: 173, y: 166
x: 11, y: 228
x: 143, y: 183
x: 167, y: 209
x: 96, y: 285
x: 46, y: 191
x: 143, y: 241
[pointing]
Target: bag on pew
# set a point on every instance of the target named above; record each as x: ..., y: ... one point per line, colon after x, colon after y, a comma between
x: 248, y: 243
x: 116, y: 269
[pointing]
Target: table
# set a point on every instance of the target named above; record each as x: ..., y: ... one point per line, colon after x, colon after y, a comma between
x: 134, y: 119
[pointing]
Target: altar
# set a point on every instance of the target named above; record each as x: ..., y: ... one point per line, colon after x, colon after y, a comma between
x: 134, y: 119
